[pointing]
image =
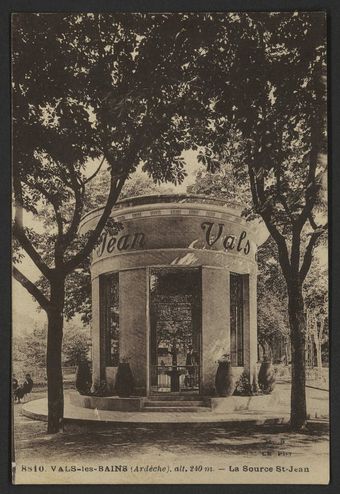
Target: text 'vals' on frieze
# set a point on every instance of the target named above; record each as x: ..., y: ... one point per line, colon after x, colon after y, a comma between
x: 215, y: 232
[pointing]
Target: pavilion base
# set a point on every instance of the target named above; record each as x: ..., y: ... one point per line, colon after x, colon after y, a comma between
x: 37, y: 410
x: 115, y: 403
x: 228, y: 404
x: 232, y: 404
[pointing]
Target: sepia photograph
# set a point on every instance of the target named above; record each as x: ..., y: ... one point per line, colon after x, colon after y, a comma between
x: 170, y: 319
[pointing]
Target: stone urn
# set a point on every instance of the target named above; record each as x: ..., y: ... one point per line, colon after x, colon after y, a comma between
x: 266, y: 377
x: 224, y: 380
x: 83, y: 377
x: 124, y: 380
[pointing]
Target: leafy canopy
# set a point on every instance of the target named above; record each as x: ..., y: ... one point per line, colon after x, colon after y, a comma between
x: 89, y: 91
x: 258, y: 102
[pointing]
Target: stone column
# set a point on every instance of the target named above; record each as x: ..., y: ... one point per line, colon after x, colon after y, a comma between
x: 133, y: 340
x: 250, y: 325
x: 98, y: 364
x: 215, y: 324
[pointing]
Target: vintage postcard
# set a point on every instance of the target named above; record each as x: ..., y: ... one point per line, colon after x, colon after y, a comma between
x: 170, y: 255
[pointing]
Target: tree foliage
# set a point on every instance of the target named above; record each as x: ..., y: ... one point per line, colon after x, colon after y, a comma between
x: 272, y: 300
x: 30, y: 349
x: 245, y: 89
x: 86, y: 97
x: 76, y: 345
x: 221, y: 184
x: 260, y: 95
x: 259, y: 90
x: 86, y: 87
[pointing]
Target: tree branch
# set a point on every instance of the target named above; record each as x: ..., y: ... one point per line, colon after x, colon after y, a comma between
x: 115, y: 189
x: 307, y: 260
x: 18, y: 229
x: 18, y: 201
x: 31, y: 288
x: 310, y: 198
x: 79, y: 191
x: 53, y: 200
x: 258, y: 197
x: 95, y: 173
x: 312, y: 222
x: 311, y: 187
x: 118, y: 177
x: 295, y: 249
x: 281, y: 196
x: 253, y: 188
x: 281, y: 244
x: 19, y: 234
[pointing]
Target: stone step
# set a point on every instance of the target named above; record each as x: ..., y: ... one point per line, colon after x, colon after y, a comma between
x: 173, y: 396
x: 176, y: 409
x: 175, y: 403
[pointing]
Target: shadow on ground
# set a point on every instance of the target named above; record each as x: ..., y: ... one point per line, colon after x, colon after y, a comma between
x: 106, y: 442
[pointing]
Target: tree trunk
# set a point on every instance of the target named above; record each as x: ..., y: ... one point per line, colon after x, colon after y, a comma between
x: 297, y: 320
x: 53, y: 362
x: 286, y: 352
x: 317, y: 340
x: 318, y: 356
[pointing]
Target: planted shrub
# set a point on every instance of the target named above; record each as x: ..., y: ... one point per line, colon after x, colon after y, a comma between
x: 243, y: 386
x: 101, y: 390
